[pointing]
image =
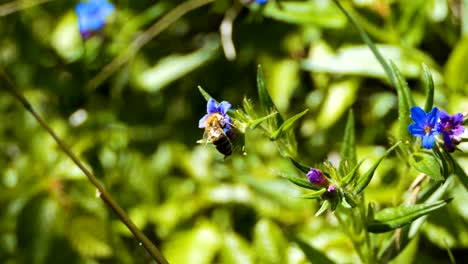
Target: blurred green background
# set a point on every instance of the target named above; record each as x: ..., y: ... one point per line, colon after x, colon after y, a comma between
x: 137, y: 130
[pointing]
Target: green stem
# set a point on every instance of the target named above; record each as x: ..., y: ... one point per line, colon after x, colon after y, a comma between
x: 362, y: 212
x: 103, y: 194
x: 346, y: 227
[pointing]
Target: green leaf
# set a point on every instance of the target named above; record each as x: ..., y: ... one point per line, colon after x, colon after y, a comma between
x: 460, y: 173
x: 205, y: 94
x: 436, y: 195
x: 340, y: 97
x: 300, y: 166
x: 66, y: 39
x: 171, y: 68
x: 302, y: 182
x: 325, y: 205
x: 392, y: 218
x: 269, y: 243
x: 348, y: 198
x: 351, y: 175
x: 88, y: 236
x: 313, y: 255
x: 311, y: 12
x: 287, y: 125
x: 314, y: 195
x: 429, y: 86
x: 35, y: 228
x: 456, y: 66
x: 365, y: 179
x: 348, y: 147
x: 266, y: 103
x: 254, y: 123
x: 405, y: 101
x: 199, y: 244
x: 427, y: 164
x: 235, y: 250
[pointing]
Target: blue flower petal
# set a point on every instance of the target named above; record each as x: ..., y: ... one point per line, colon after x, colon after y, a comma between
x: 223, y: 107
x: 416, y: 130
x: 418, y: 115
x: 202, y: 122
x: 433, y: 117
x: 226, y: 123
x: 211, y: 106
x: 428, y: 141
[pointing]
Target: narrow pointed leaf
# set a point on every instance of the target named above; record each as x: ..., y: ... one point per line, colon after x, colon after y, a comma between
x: 436, y: 196
x: 323, y: 208
x: 404, y: 104
x: 314, y: 195
x: 266, y: 103
x: 253, y: 124
x: 348, y: 147
x: 300, y: 166
x: 302, y: 182
x: 352, y: 174
x: 392, y: 218
x: 427, y: 164
x: 205, y: 94
x: 460, y: 173
x: 365, y: 179
x: 349, y: 199
x: 288, y: 124
x: 312, y: 254
x: 429, y: 87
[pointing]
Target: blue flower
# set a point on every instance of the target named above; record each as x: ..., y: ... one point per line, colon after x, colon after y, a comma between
x: 211, y: 108
x: 92, y: 16
x: 316, y: 177
x: 260, y: 2
x: 424, y: 125
x: 451, y: 127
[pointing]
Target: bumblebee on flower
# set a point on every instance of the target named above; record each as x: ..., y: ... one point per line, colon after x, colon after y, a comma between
x: 219, y: 127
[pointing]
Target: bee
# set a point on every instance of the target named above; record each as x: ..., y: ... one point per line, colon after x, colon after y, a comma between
x: 214, y: 133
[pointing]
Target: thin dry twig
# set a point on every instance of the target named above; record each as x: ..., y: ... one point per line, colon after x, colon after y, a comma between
x: 103, y: 194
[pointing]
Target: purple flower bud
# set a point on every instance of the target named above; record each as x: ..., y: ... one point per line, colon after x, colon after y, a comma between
x: 331, y: 188
x: 316, y: 177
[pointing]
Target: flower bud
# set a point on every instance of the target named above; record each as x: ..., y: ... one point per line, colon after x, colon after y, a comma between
x: 316, y: 177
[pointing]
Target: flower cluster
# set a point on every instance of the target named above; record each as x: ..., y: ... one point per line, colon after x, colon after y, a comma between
x: 429, y: 125
x: 92, y: 16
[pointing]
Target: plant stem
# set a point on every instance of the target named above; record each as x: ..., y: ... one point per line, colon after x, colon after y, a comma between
x: 346, y: 227
x: 102, y: 193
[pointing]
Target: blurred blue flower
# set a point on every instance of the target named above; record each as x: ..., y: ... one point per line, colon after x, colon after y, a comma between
x: 451, y: 127
x: 260, y: 2
x: 211, y: 108
x: 92, y: 16
x: 316, y: 177
x: 424, y: 125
